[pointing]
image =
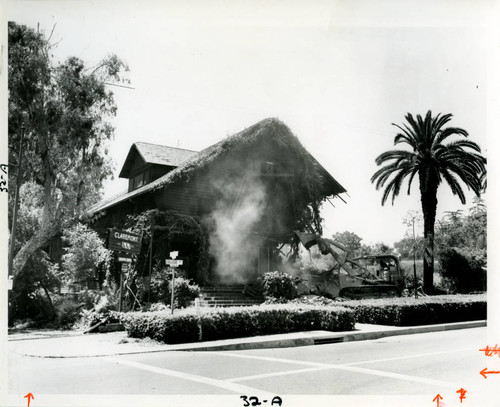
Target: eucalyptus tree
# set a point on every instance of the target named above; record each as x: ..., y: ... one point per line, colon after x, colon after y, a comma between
x: 66, y: 110
x: 436, y: 153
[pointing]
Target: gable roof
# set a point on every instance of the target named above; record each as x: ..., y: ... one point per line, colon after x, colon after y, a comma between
x: 271, y: 128
x: 155, y: 154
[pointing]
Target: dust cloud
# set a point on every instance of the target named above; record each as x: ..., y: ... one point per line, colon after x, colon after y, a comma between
x: 233, y: 242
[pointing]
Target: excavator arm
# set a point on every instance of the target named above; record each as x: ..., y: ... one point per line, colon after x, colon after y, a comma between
x: 325, y: 247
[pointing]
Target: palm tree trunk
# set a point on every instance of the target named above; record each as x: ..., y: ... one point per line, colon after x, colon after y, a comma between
x: 428, y: 190
x: 429, y: 254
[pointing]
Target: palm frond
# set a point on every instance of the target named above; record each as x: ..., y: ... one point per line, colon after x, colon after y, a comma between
x: 410, y: 180
x: 449, y: 131
x: 463, y: 144
x: 467, y: 174
x: 438, y: 122
x: 394, y: 186
x: 383, y: 174
x: 455, y: 187
x: 394, y: 155
x: 410, y: 138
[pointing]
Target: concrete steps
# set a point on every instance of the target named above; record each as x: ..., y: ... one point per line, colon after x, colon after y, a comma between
x: 229, y: 296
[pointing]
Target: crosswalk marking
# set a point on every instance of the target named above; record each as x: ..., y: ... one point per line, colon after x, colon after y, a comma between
x: 237, y: 388
x: 326, y: 366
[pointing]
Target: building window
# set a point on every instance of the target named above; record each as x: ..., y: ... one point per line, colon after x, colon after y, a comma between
x: 139, y: 180
x: 268, y: 168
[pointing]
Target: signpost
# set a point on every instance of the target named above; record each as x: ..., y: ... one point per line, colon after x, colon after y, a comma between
x: 173, y: 263
x: 126, y: 244
x: 123, y: 269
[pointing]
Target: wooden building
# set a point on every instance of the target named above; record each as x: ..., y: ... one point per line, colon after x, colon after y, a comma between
x: 248, y: 192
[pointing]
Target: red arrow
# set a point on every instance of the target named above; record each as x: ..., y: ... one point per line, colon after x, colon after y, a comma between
x: 30, y: 396
x: 437, y: 398
x: 484, y: 372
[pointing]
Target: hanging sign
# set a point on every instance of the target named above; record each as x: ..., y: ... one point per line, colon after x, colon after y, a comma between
x: 123, y: 241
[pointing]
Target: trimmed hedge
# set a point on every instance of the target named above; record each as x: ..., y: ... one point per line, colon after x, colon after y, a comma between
x: 229, y: 323
x: 410, y: 311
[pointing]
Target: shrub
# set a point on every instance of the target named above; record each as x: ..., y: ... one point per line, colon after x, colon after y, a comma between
x: 67, y: 311
x: 96, y: 306
x: 419, y: 311
x: 161, y: 289
x: 462, y: 270
x: 158, y: 306
x: 228, y: 323
x: 278, y: 285
x: 184, y: 292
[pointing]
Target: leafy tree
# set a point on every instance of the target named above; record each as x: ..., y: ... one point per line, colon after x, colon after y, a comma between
x: 464, y: 231
x: 351, y: 241
x: 432, y: 161
x: 450, y: 231
x: 365, y: 250
x: 84, y: 253
x: 65, y: 108
x: 381, y: 248
x: 405, y: 247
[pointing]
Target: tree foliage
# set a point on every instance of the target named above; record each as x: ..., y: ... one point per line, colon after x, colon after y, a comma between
x: 432, y: 157
x: 351, y: 241
x: 466, y: 231
x: 84, y: 252
x: 65, y: 109
x: 462, y: 249
x: 406, y: 244
x: 463, y: 270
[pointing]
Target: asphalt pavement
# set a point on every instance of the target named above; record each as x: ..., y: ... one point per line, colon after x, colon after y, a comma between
x: 418, y: 366
x: 381, y: 363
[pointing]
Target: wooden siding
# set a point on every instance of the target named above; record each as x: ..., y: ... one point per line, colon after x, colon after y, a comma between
x: 270, y: 162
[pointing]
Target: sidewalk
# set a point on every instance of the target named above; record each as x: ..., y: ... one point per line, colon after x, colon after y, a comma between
x: 57, y: 344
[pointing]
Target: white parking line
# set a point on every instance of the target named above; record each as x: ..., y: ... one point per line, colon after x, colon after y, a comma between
x: 237, y: 388
x: 326, y: 366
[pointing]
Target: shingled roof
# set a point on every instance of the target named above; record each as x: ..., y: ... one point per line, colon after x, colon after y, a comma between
x: 270, y: 128
x: 155, y: 154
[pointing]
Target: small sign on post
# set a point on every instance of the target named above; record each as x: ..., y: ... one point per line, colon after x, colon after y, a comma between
x: 173, y: 263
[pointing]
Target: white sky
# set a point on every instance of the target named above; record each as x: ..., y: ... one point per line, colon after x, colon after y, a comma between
x: 338, y: 73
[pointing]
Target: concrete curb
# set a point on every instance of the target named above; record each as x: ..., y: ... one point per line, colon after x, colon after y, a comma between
x: 364, y: 332
x: 328, y: 338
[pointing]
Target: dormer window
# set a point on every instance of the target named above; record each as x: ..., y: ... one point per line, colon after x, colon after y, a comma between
x: 147, y: 162
x: 140, y: 179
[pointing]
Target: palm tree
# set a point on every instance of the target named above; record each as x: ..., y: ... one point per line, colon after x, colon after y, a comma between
x: 432, y: 161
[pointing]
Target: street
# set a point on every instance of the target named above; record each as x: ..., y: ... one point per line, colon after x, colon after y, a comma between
x: 430, y: 363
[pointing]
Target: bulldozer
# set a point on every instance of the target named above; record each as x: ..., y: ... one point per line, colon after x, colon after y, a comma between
x: 371, y: 276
